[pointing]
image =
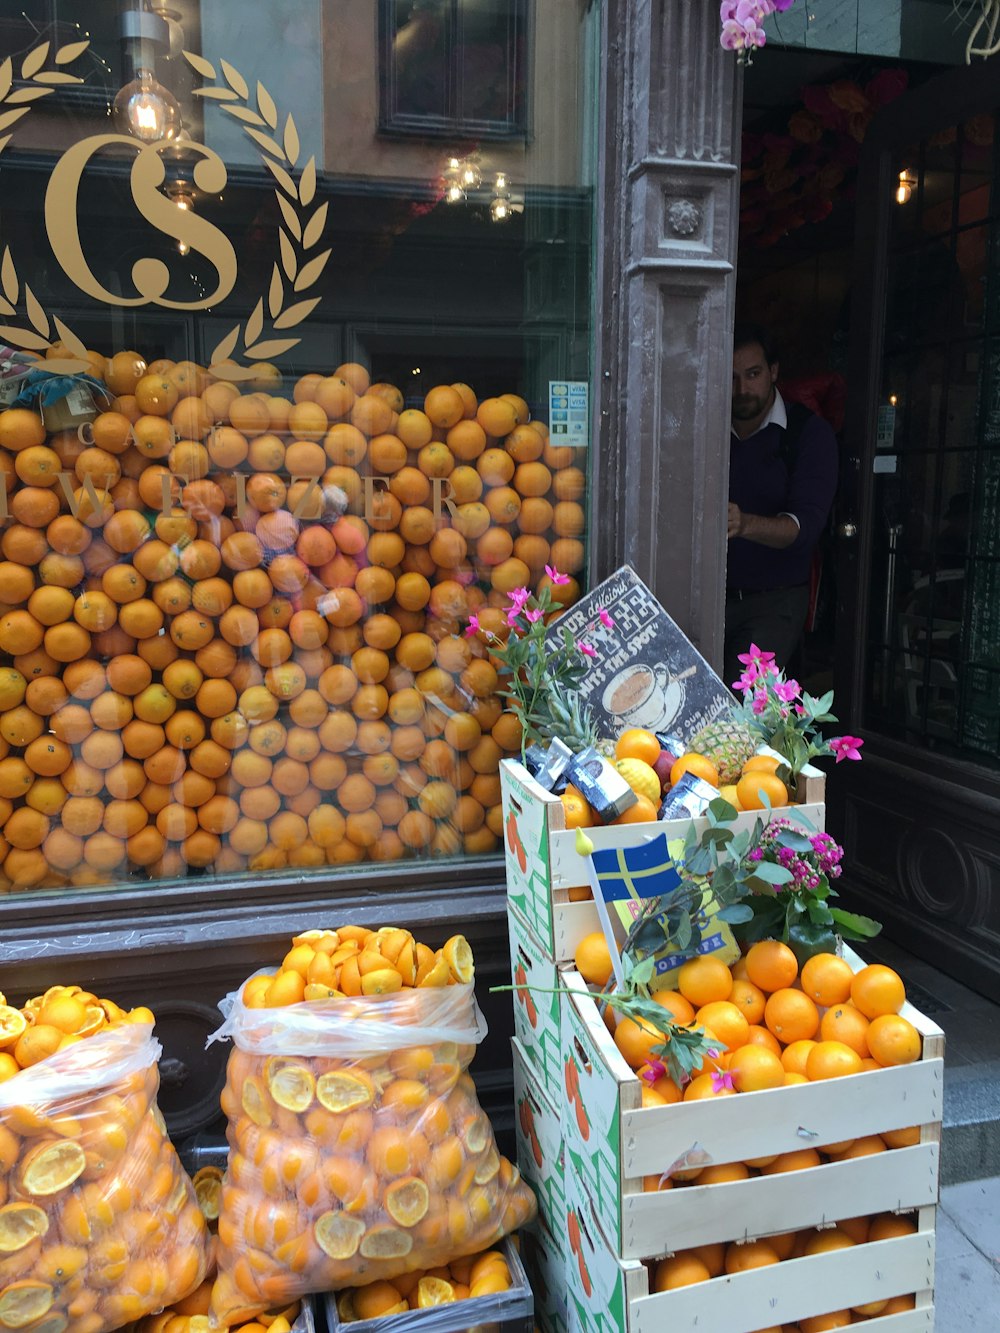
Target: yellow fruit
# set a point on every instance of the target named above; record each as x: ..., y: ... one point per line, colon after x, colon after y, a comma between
x: 640, y: 777
x: 51, y: 1167
x: 728, y: 793
x: 458, y: 955
x: 434, y: 1291
x: 291, y: 1085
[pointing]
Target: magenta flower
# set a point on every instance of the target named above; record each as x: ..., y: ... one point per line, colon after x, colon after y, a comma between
x: 586, y: 649
x: 605, y: 619
x: 846, y: 747
x: 518, y: 597
x: 654, y: 1070
x: 722, y: 1079
x: 787, y: 690
x: 555, y: 576
x: 532, y: 615
x: 755, y: 656
x: 472, y: 627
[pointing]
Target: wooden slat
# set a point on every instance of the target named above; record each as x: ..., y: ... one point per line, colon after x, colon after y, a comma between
x: 807, y: 1115
x: 789, y: 1291
x: 657, y: 1224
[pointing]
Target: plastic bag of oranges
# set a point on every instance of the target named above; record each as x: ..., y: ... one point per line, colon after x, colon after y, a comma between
x: 358, y: 1148
x: 99, y: 1223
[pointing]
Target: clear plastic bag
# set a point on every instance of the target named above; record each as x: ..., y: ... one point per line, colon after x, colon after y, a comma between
x: 98, y: 1220
x: 358, y: 1148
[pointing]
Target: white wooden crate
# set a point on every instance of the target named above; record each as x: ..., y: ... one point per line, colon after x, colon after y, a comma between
x: 543, y: 865
x: 611, y: 1295
x: 619, y: 1142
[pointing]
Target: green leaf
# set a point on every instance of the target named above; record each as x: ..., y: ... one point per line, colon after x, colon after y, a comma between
x: 640, y: 974
x: 719, y: 837
x: 771, y: 873
x: 795, y: 842
x: 855, y: 927
x: 736, y: 913
x: 820, y: 915
x: 683, y: 932
x: 806, y: 940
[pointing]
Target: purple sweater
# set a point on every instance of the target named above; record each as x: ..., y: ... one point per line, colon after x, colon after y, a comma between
x: 759, y: 482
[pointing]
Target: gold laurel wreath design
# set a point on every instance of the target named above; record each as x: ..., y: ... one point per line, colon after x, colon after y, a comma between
x: 296, y: 237
x: 298, y: 233
x: 15, y: 103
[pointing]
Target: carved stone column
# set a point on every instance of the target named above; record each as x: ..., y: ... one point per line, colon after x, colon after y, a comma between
x: 667, y: 246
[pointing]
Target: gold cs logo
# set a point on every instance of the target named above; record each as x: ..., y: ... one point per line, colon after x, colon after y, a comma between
x: 150, y: 276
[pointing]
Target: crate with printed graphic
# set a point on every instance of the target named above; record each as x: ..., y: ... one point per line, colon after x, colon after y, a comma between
x: 539, y: 1136
x: 548, y: 884
x: 544, y: 1253
x: 615, y: 1146
x: 611, y: 1295
x: 537, y: 1018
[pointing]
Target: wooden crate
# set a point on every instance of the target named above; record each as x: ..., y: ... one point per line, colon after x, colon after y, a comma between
x: 538, y: 1134
x: 611, y: 1295
x: 537, y: 1013
x: 543, y: 864
x: 617, y: 1143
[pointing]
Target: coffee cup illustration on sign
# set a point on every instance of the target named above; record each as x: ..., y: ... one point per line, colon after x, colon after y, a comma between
x: 645, y: 696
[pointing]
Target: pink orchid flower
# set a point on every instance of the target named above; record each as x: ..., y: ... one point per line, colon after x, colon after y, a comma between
x: 555, y: 576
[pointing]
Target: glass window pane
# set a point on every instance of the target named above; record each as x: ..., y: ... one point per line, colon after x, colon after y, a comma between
x: 308, y: 395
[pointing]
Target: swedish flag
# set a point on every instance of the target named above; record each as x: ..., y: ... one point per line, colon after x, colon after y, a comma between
x: 636, y: 873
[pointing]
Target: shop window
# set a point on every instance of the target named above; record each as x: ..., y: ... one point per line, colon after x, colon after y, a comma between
x: 246, y: 512
x: 453, y: 67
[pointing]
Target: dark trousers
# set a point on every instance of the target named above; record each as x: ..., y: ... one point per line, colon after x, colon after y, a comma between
x: 773, y: 620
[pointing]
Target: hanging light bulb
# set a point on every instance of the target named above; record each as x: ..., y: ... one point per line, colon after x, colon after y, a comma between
x: 500, y: 210
x: 471, y: 177
x: 454, y: 194
x: 905, y: 187
x: 146, y: 110
x: 183, y: 197
x: 501, y: 205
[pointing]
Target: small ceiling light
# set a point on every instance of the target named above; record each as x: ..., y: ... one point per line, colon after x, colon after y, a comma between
x: 905, y: 187
x: 892, y: 400
x: 143, y: 107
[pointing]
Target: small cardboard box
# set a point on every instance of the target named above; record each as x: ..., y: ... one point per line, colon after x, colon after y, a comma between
x: 543, y: 865
x: 537, y: 1018
x: 543, y: 1251
x: 609, y: 1295
x: 612, y: 1144
x: 539, y: 1135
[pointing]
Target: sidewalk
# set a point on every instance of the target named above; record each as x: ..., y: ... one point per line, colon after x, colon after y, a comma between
x: 967, y: 1273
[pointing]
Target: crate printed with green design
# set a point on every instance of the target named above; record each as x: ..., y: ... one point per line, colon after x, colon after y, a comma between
x: 539, y: 1137
x: 537, y: 1017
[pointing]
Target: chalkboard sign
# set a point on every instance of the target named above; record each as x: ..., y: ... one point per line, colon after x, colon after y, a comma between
x: 645, y: 673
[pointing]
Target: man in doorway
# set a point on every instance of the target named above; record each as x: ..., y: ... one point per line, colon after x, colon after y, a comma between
x: 782, y: 479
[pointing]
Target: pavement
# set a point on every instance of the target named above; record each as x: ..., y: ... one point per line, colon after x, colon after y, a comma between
x: 967, y: 1273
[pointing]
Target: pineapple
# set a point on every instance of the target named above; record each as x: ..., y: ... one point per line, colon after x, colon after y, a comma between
x: 728, y: 744
x: 566, y: 717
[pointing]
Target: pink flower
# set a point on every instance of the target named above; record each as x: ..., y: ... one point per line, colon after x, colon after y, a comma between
x: 756, y: 657
x: 555, y: 576
x: 518, y: 597
x: 472, y: 627
x: 655, y: 1069
x: 760, y: 702
x: 605, y: 619
x: 722, y: 1079
x: 586, y: 649
x: 532, y: 615
x: 787, y: 690
x: 846, y: 747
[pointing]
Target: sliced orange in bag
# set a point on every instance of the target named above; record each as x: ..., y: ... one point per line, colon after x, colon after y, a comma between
x: 51, y: 1167
x: 252, y: 1099
x: 290, y: 1084
x: 23, y: 1302
x: 385, y: 1242
x: 457, y: 953
x: 20, y: 1224
x: 12, y: 1024
x: 208, y: 1191
x: 338, y: 1234
x: 407, y: 1201
x: 344, y: 1090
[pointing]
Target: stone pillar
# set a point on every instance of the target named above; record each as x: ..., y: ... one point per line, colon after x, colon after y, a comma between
x: 667, y: 252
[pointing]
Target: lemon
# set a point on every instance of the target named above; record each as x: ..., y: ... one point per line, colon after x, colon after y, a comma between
x: 640, y: 777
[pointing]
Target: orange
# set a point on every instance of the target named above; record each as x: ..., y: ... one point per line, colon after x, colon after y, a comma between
x: 877, y: 990
x: 642, y: 812
x: 754, y: 1068
x: 749, y: 999
x: 791, y: 1016
x: 762, y: 1036
x: 636, y: 743
x: 753, y: 788
x: 704, y: 979
x: 827, y: 979
x: 681, y: 1009
x: 636, y: 1041
x: 831, y: 1059
x: 727, y: 1022
x: 697, y: 765
x: 795, y: 1055
x: 892, y: 1040
x: 444, y: 406
x: 741, y: 1257
x: 771, y: 965
x: 680, y: 1270
x: 593, y: 959
x: 844, y: 1023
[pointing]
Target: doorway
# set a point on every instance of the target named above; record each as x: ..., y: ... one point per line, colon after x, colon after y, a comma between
x: 879, y: 267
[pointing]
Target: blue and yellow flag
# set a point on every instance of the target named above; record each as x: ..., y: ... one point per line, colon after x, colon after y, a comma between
x: 629, y: 876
